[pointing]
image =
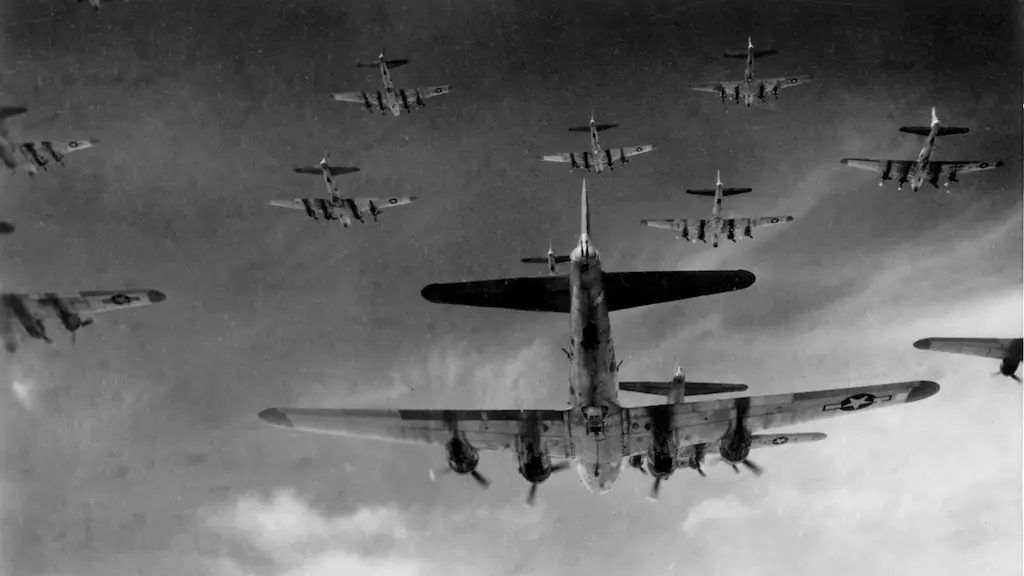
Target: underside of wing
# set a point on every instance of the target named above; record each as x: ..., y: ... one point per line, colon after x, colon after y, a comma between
x: 666, y: 224
x: 888, y: 167
x: 495, y: 430
x: 294, y: 204
x: 369, y: 204
x: 624, y: 290
x: 632, y: 151
x: 664, y: 388
x: 768, y: 440
x: 786, y: 82
x: 354, y: 97
x: 966, y: 166
x: 715, y: 87
x: 432, y: 91
x: 539, y: 294
x: 984, y: 347
x: 560, y: 157
x: 769, y: 221
x: 709, y: 420
x: 89, y: 301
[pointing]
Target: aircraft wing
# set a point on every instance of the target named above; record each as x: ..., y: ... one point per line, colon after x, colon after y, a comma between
x: 294, y: 204
x: 365, y: 204
x: 354, y: 97
x: 58, y: 149
x: 765, y: 440
x: 48, y: 305
x: 671, y: 224
x: 962, y: 167
x: 894, y: 167
x: 566, y: 157
x: 622, y: 290
x: 762, y: 221
x: 984, y: 347
x: 620, y: 154
x: 727, y: 86
x: 495, y: 430
x: 427, y: 92
x: 709, y: 420
x: 787, y: 82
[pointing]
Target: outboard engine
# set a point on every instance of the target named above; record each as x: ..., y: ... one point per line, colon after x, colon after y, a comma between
x: 951, y: 178
x: 33, y: 326
x: 1009, y: 367
x: 701, y: 228
x: 735, y: 445
x: 886, y: 173
x: 748, y: 229
x: 68, y: 318
x: 730, y: 229
x: 736, y: 93
x: 685, y: 232
x: 535, y: 466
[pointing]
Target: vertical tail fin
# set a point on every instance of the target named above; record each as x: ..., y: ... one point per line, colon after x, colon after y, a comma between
x: 935, y: 118
x: 585, y: 212
x: 718, y: 178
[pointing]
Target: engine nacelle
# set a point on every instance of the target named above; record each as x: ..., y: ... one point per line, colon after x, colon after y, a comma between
x: 1009, y: 367
x: 660, y: 463
x: 730, y: 229
x: 951, y: 178
x: 748, y: 230
x: 534, y: 466
x: 462, y: 457
x: 735, y: 449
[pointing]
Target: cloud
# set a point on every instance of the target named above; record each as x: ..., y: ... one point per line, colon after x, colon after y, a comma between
x: 727, y: 510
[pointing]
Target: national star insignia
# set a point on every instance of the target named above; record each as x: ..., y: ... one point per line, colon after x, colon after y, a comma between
x: 856, y: 402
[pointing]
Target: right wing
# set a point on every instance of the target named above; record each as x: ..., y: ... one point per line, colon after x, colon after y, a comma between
x: 335, y: 170
x: 727, y: 86
x: 622, y: 290
x: 672, y: 224
x: 315, y: 208
x: 34, y: 151
x: 984, y: 347
x: 900, y: 169
x: 494, y: 430
x: 787, y: 82
x: 761, y: 221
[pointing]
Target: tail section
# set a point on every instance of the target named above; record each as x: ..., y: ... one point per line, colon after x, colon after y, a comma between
x: 11, y: 111
x: 584, y: 213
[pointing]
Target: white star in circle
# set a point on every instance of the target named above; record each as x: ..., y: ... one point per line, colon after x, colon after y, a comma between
x: 857, y: 403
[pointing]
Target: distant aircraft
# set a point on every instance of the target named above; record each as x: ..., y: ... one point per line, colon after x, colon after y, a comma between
x: 924, y: 167
x: 94, y: 3
x: 1008, y: 349
x: 750, y: 90
x: 597, y: 159
x: 337, y: 207
x: 30, y: 156
x: 552, y: 260
x: 74, y: 311
x: 597, y: 433
x: 391, y: 99
x: 717, y: 225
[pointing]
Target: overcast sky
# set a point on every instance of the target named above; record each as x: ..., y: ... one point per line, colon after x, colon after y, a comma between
x: 138, y: 450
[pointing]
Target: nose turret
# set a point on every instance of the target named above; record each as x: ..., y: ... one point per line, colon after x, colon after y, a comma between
x: 598, y: 478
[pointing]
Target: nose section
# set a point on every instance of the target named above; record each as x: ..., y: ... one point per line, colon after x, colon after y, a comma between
x: 597, y: 478
x: 156, y: 296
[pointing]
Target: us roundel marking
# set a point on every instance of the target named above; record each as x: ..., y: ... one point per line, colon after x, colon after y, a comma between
x: 775, y: 220
x: 120, y: 299
x: 983, y: 165
x: 72, y: 144
x: 393, y: 201
x: 639, y: 149
x: 438, y: 90
x: 794, y: 80
x: 856, y: 402
x: 780, y: 440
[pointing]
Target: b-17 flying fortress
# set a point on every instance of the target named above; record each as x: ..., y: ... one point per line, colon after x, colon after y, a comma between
x: 597, y: 435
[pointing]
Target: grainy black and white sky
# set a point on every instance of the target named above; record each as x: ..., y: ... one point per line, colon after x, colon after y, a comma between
x: 138, y: 450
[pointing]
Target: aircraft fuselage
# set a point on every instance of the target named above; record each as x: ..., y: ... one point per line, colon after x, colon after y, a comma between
x: 596, y: 416
x: 390, y: 98
x: 595, y: 148
x: 924, y: 157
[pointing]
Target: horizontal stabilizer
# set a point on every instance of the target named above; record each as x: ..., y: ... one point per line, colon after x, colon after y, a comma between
x: 10, y: 111
x: 598, y: 127
x: 335, y: 170
x: 692, y: 388
x: 558, y: 260
x: 926, y: 130
x: 396, y: 63
x: 725, y: 191
x: 623, y: 290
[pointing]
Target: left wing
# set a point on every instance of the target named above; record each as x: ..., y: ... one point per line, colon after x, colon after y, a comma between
x: 726, y: 86
x: 761, y: 221
x: 42, y: 151
x: 418, y: 95
x: 787, y: 82
x: 622, y: 155
x: 494, y: 430
x: 962, y: 166
x: 984, y: 347
x: 371, y: 205
x: 708, y: 421
x: 47, y: 305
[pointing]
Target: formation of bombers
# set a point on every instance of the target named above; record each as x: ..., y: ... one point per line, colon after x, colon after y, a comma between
x: 596, y: 434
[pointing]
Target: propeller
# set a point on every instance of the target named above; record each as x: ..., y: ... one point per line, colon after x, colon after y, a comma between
x: 532, y: 494
x: 482, y: 481
x: 653, y: 496
x: 753, y: 467
x: 1014, y: 376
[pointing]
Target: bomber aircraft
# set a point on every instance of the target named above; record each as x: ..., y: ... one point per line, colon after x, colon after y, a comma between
x: 1007, y: 349
x: 924, y: 168
x: 751, y: 91
x: 31, y: 156
x: 73, y: 310
x: 337, y: 207
x: 597, y: 432
x: 551, y: 259
x: 597, y: 159
x: 391, y: 99
x: 717, y: 225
